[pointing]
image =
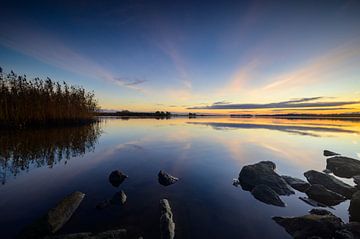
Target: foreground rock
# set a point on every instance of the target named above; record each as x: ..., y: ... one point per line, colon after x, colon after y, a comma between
x: 112, y: 234
x: 167, y: 225
x: 330, y: 182
x: 265, y: 194
x: 328, y: 153
x: 354, y: 208
x: 116, y: 178
x: 320, y: 194
x: 119, y: 198
x: 55, y: 218
x: 296, y: 183
x: 263, y: 173
x: 312, y: 202
x: 343, y: 166
x: 166, y: 179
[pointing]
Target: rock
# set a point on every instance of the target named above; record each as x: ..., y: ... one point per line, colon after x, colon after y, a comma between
x: 236, y: 182
x: 167, y: 225
x: 103, y: 204
x: 113, y: 234
x: 354, y: 228
x: 119, y: 198
x: 116, y: 178
x: 55, y: 218
x: 296, y: 183
x: 266, y: 195
x: 328, y: 153
x: 354, y: 208
x: 357, y: 180
x: 343, y: 166
x: 330, y: 182
x: 327, y: 171
x: 312, y: 202
x: 320, y: 194
x: 311, y: 226
x: 321, y: 212
x: 263, y: 173
x: 166, y: 179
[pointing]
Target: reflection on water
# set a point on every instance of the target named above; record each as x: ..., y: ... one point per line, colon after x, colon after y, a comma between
x: 26, y: 149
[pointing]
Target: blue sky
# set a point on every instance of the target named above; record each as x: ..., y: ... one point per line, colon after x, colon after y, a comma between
x: 174, y: 55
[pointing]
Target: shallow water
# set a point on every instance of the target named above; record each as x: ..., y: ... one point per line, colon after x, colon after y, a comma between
x: 40, y: 167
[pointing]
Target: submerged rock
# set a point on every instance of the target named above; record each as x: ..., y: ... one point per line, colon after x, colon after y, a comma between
x: 320, y: 194
x: 354, y: 208
x: 166, y: 179
x: 343, y: 166
x: 103, y: 204
x: 312, y: 202
x: 113, y: 234
x: 116, y: 178
x: 296, y: 183
x: 266, y: 195
x: 330, y: 182
x: 167, y: 225
x: 55, y: 217
x: 263, y: 173
x: 119, y: 198
x: 328, y: 153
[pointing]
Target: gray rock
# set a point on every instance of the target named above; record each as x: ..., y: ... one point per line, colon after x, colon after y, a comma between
x: 263, y: 173
x: 311, y: 226
x: 116, y: 178
x: 167, y: 225
x: 321, y: 212
x: 320, y: 194
x: 296, y: 183
x: 328, y: 153
x: 166, y: 179
x: 354, y: 208
x: 55, y: 218
x: 330, y: 182
x: 119, y: 198
x: 112, y: 234
x: 312, y: 202
x: 357, y: 180
x: 343, y: 166
x: 266, y: 195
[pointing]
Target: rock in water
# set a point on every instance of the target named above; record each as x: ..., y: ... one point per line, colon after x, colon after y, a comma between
x: 119, y: 198
x: 103, y: 204
x: 321, y: 212
x: 167, y: 225
x: 328, y: 153
x: 263, y: 173
x: 354, y: 208
x: 166, y: 179
x: 112, y: 234
x: 116, y: 178
x: 320, y: 194
x: 265, y: 194
x: 343, y: 166
x: 330, y: 182
x: 55, y: 218
x: 296, y: 183
x: 311, y: 226
x: 312, y: 202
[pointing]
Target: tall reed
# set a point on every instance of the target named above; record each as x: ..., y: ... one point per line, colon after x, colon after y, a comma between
x: 26, y: 102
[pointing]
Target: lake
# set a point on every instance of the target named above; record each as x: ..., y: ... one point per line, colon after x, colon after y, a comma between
x: 40, y: 167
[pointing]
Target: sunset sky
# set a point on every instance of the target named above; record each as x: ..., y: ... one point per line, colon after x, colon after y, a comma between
x: 198, y: 56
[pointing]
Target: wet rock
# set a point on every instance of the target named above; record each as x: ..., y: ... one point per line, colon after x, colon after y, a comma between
x: 330, y: 182
x: 343, y: 166
x: 113, y: 234
x: 266, y: 195
x: 167, y: 225
x: 312, y: 202
x: 55, y: 218
x: 296, y: 183
x: 119, y: 198
x: 320, y: 194
x: 263, y: 173
x: 103, y: 204
x: 357, y: 181
x: 116, y: 178
x: 354, y: 208
x: 311, y: 226
x: 236, y: 182
x: 321, y: 212
x: 327, y: 171
x: 166, y: 179
x: 328, y: 153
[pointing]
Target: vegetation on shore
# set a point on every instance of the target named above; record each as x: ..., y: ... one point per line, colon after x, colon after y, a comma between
x: 25, y: 102
x: 126, y: 113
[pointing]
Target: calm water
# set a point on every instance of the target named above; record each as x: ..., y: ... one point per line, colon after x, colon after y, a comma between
x: 40, y: 167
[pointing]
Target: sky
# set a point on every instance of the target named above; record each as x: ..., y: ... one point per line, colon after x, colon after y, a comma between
x: 192, y: 56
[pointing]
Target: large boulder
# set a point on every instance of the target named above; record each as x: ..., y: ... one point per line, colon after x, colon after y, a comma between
x: 266, y: 195
x: 166, y: 179
x: 330, y: 182
x: 55, y: 218
x: 167, y: 225
x: 263, y: 173
x: 116, y: 178
x: 320, y: 194
x: 328, y: 153
x: 354, y: 208
x: 296, y: 183
x: 311, y: 226
x: 343, y: 166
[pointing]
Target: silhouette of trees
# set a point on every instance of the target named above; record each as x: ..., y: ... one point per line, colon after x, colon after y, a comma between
x: 25, y: 102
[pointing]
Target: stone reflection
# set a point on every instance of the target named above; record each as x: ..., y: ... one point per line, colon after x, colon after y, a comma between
x: 25, y: 149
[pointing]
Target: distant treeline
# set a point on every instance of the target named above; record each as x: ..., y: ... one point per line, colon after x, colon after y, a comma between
x: 25, y: 102
x: 126, y: 113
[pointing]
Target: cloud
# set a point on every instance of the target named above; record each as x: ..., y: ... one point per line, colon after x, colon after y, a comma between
x: 224, y: 102
x: 296, y: 103
x: 320, y: 109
